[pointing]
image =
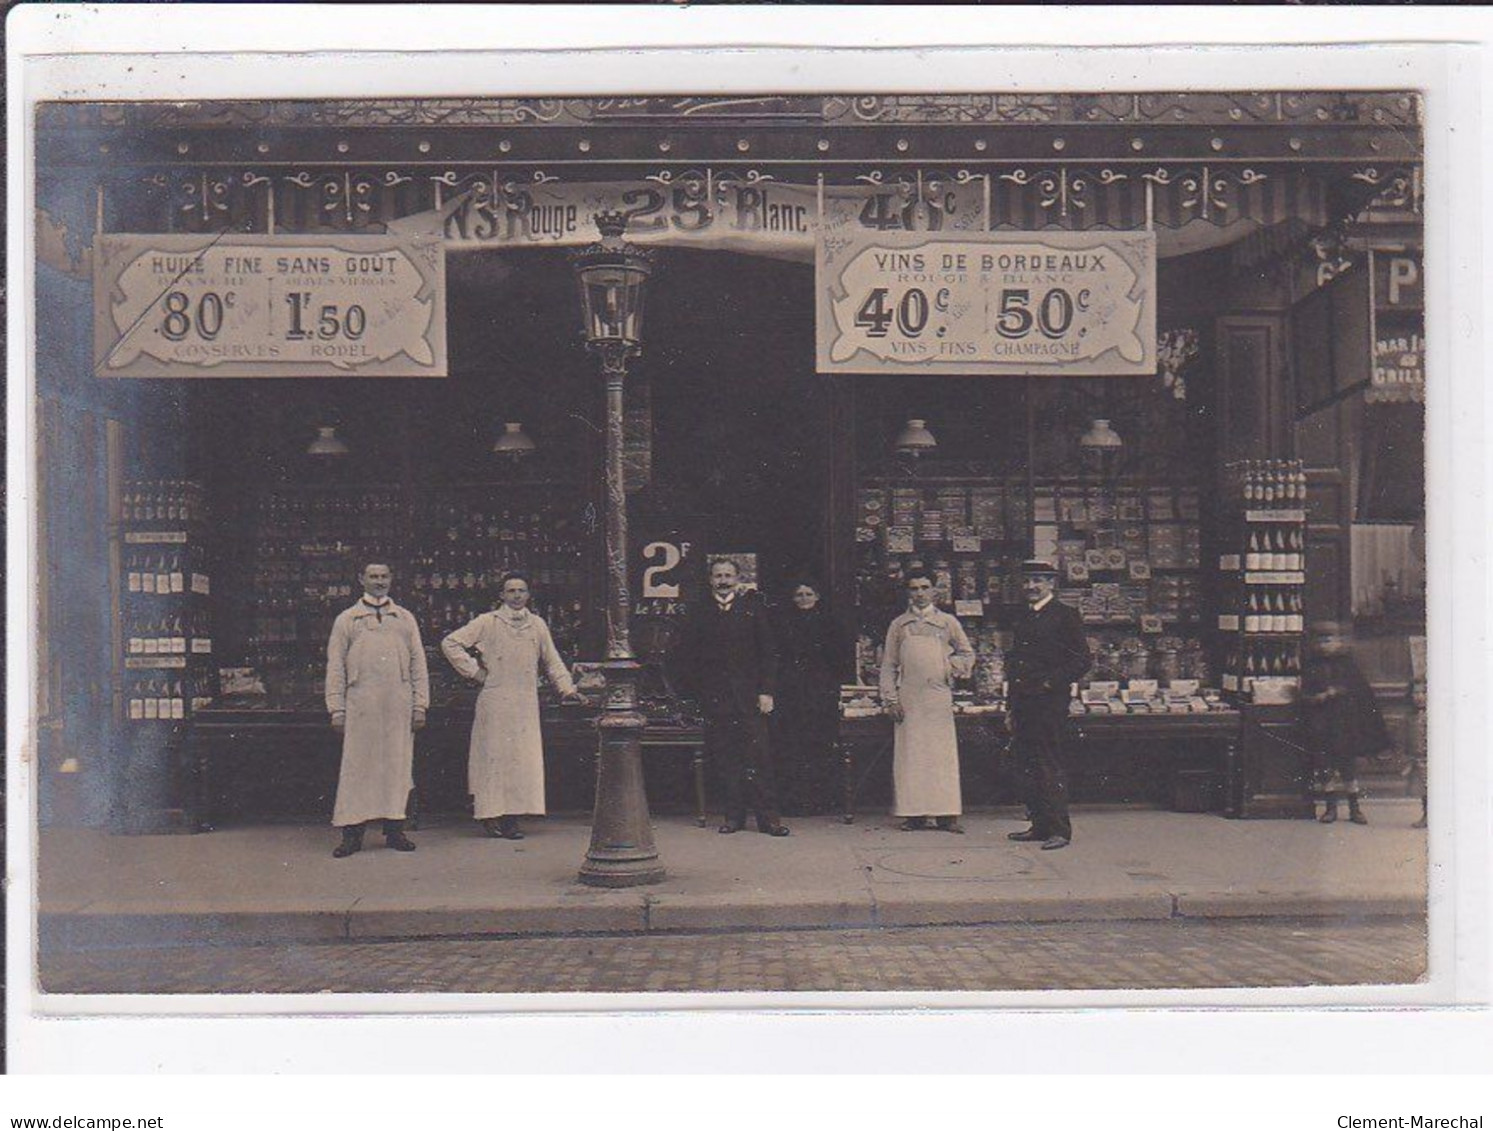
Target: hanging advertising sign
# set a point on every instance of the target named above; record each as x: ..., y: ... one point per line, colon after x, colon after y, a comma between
x: 1044, y: 303
x: 755, y: 215
x: 1399, y: 280
x: 269, y: 306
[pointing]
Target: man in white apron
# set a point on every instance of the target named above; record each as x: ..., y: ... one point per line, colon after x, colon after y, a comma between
x: 926, y: 649
x: 377, y: 694
x: 505, y: 650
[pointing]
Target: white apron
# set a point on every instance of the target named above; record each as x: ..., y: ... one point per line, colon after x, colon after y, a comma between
x: 921, y: 658
x: 505, y: 762
x: 376, y: 673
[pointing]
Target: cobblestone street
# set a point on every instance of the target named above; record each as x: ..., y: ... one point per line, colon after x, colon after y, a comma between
x: 1090, y: 955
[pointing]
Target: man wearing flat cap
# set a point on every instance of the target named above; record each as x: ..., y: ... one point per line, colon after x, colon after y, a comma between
x: 1048, y: 653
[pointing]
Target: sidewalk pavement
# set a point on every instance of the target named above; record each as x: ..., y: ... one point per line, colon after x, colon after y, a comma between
x: 279, y: 883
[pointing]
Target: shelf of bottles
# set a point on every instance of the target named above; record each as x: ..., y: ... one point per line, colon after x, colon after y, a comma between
x: 165, y: 627
x: 449, y: 548
x: 1261, y: 615
x: 310, y: 544
x: 467, y: 538
x: 1127, y: 556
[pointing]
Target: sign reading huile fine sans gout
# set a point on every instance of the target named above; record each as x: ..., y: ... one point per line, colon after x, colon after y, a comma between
x: 1043, y: 303
x: 269, y: 306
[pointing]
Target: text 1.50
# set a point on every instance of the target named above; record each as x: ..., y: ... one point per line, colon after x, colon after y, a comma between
x: 331, y: 321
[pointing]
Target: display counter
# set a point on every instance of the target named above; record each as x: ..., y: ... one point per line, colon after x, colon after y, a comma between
x: 1189, y: 762
x: 264, y: 763
x: 260, y: 763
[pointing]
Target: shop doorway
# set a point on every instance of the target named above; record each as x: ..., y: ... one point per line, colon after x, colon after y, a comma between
x: 741, y: 439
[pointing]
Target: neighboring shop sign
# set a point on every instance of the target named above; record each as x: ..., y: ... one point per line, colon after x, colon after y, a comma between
x: 1399, y: 374
x: 755, y: 214
x: 1398, y: 280
x: 1059, y: 303
x: 269, y: 306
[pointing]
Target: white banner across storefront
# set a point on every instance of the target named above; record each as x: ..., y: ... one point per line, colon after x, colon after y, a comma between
x: 755, y: 215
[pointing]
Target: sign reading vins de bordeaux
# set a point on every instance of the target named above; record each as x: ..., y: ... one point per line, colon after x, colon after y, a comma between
x: 1059, y: 303
x: 269, y: 306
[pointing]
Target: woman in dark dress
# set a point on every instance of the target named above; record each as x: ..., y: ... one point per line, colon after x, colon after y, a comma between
x: 812, y: 656
x: 1342, y: 719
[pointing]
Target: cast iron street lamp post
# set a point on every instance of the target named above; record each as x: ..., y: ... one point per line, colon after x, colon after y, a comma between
x: 613, y: 275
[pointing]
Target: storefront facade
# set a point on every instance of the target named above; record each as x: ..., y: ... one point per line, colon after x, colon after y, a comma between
x: 1288, y: 333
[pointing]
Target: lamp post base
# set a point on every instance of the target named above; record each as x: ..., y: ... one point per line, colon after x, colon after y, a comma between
x: 622, y: 853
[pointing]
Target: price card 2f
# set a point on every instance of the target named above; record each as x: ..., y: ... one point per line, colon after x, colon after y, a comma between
x: 269, y: 306
x: 1058, y: 303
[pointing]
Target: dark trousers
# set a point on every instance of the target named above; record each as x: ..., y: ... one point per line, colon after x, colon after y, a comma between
x: 355, y: 832
x: 1037, y: 727
x: 737, y: 747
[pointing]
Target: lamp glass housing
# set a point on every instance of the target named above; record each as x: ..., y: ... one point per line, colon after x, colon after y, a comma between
x: 612, y: 302
x: 327, y: 442
x: 514, y: 441
x: 915, y: 438
x: 1101, y: 436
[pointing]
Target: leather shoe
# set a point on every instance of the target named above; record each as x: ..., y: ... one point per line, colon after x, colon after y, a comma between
x: 774, y: 830
x: 399, y: 842
x: 730, y: 827
x: 951, y: 827
x: 352, y: 841
x: 1055, y: 842
x: 1026, y: 834
x: 913, y: 824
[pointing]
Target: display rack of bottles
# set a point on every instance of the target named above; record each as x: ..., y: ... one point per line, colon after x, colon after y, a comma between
x: 1262, y: 611
x: 165, y: 625
x: 467, y: 537
x: 309, y: 544
x: 1127, y: 555
x: 448, y: 546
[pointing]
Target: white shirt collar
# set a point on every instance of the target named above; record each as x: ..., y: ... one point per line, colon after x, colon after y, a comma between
x: 1042, y: 604
x: 726, y: 601
x: 377, y: 603
x: 923, y: 614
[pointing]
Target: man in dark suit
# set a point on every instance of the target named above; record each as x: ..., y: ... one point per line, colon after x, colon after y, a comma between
x: 727, y: 660
x: 1049, y: 652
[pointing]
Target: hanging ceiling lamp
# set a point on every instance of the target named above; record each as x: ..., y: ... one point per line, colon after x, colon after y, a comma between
x: 915, y: 439
x: 1101, y: 437
x: 327, y: 442
x: 514, y: 442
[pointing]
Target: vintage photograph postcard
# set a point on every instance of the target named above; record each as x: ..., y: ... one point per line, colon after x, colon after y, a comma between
x: 794, y: 542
